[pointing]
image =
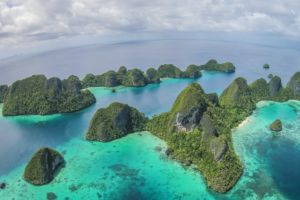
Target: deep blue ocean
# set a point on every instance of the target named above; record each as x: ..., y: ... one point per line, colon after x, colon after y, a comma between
x: 131, y: 168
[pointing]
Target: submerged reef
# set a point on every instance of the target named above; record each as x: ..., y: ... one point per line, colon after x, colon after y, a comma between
x: 115, y: 121
x: 39, y: 95
x: 43, y: 166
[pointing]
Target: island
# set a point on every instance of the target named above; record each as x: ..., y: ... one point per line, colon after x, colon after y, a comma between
x: 115, y: 121
x: 197, y: 132
x: 43, y: 166
x: 137, y: 78
x: 276, y: 125
x: 266, y: 66
x: 39, y: 95
x: 198, y: 127
x: 213, y: 65
x: 270, y: 76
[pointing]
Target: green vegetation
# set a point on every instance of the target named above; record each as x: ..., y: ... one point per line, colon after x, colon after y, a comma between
x: 134, y: 78
x: 237, y: 94
x: 108, y: 79
x: 37, y: 95
x: 115, y: 121
x: 213, y: 65
x: 270, y: 76
x: 276, y: 125
x: 170, y: 71
x: 137, y: 78
x: 260, y: 90
x: 198, y: 127
x: 152, y: 75
x: 3, y: 92
x: 198, y: 132
x: 193, y: 71
x: 266, y: 66
x: 275, y: 86
x: 43, y: 166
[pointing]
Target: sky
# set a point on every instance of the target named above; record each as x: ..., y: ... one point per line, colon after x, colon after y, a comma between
x: 37, y: 24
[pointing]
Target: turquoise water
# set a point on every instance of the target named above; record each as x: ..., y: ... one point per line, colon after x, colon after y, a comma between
x: 271, y: 160
x: 134, y: 168
x: 129, y: 168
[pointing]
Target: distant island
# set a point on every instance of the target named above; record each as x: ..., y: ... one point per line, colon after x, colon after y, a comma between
x: 37, y: 95
x: 198, y: 127
x: 137, y: 78
x: 266, y: 66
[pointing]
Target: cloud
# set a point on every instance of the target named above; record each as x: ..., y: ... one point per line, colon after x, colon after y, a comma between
x: 34, y: 20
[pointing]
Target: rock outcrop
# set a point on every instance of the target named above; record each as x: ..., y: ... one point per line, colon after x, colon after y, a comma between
x: 275, y: 86
x: 43, y: 166
x: 208, y: 128
x: 294, y: 84
x: 115, y: 121
x: 276, y: 125
x: 218, y: 147
x: 189, y: 107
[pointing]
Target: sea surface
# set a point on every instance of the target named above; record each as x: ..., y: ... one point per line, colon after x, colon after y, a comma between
x: 135, y: 167
x: 248, y: 56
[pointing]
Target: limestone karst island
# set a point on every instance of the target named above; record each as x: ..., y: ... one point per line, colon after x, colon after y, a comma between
x: 156, y: 100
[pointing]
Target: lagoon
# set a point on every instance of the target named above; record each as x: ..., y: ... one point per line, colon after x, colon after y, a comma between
x: 132, y: 168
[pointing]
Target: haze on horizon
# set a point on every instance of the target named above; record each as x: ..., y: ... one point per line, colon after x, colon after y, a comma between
x: 33, y: 25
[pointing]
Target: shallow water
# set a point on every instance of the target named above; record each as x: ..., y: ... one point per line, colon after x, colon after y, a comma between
x: 271, y: 159
x: 131, y: 168
x: 21, y: 136
x: 135, y: 167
